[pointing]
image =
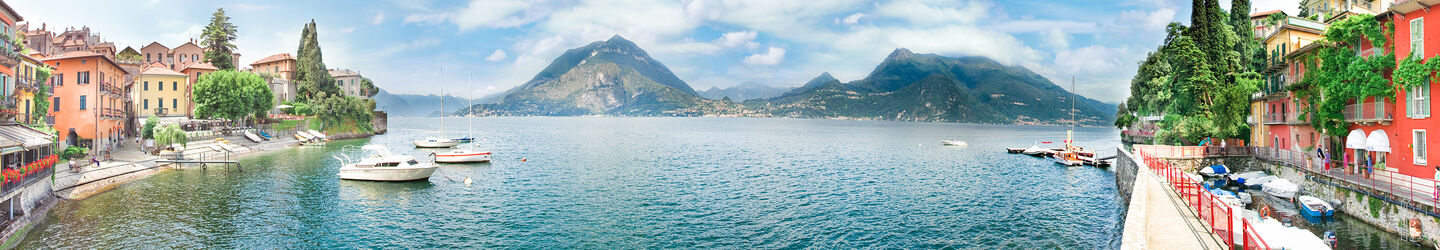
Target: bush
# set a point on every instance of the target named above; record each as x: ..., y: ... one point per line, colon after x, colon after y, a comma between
x: 148, y: 131
x: 74, y: 152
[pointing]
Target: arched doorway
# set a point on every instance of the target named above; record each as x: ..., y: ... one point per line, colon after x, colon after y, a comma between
x: 71, y: 138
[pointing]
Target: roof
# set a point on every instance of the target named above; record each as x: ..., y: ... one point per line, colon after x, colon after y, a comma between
x: 161, y: 71
x: 83, y: 54
x: 188, y: 44
x: 155, y: 44
x: 19, y: 135
x: 343, y: 72
x: 18, y: 18
x: 198, y: 65
x: 1267, y: 13
x: 275, y: 57
x: 1407, y: 6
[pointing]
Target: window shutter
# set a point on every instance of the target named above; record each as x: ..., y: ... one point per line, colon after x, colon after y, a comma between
x: 1410, y: 103
x: 1425, y: 100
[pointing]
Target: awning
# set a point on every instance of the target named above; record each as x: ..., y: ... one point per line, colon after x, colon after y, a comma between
x: 1378, y: 141
x: 19, y: 135
x: 1356, y: 140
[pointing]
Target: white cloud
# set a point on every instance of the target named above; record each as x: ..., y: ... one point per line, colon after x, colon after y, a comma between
x: 485, y: 14
x: 737, y: 38
x: 379, y: 18
x: 771, y: 57
x: 1056, y: 38
x: 921, y: 12
x: 346, y: 30
x: 953, y: 40
x: 251, y: 7
x: 852, y: 19
x: 497, y: 56
x: 1147, y: 20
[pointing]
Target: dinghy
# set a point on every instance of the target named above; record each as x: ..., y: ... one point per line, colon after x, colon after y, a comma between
x: 1214, y: 170
x: 1315, y: 207
x: 1280, y: 188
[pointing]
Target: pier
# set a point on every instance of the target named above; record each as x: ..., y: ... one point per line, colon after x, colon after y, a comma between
x: 1169, y: 211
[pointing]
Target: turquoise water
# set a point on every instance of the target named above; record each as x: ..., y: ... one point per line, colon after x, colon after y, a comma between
x: 588, y: 182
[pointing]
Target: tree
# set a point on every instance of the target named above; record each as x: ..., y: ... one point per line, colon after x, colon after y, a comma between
x: 148, y: 131
x: 41, y: 97
x: 1337, y: 75
x: 219, y: 38
x: 313, y: 78
x: 1240, y: 22
x: 343, y: 111
x: 171, y: 134
x: 1123, y: 117
x: 368, y: 88
x: 231, y: 95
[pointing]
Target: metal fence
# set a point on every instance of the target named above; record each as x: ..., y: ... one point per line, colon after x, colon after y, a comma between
x: 1221, y: 218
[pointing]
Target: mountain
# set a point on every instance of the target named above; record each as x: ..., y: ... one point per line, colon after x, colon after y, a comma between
x: 613, y: 77
x: 744, y: 91
x: 405, y: 105
x: 927, y: 87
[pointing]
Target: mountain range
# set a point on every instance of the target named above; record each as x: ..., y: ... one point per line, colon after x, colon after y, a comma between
x: 406, y: 105
x: 616, y: 77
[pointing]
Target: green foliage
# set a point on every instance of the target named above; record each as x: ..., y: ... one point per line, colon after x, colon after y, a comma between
x: 368, y: 87
x: 1374, y: 205
x: 1345, y: 76
x: 345, y: 111
x: 298, y: 108
x: 1200, y: 78
x: 313, y: 79
x: 1124, y: 118
x: 148, y: 131
x: 231, y: 95
x: 41, y: 98
x: 73, y: 152
x: 219, y: 37
x: 171, y: 134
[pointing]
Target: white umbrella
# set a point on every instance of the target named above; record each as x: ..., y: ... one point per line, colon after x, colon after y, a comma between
x: 1356, y: 140
x: 1377, y: 141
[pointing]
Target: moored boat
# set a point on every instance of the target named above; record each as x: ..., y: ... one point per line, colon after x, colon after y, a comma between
x: 954, y: 143
x: 380, y: 165
x: 1280, y: 188
x: 462, y: 156
x: 432, y: 142
x: 1214, y: 170
x: 1035, y: 150
x: 1315, y: 207
x: 1069, y: 158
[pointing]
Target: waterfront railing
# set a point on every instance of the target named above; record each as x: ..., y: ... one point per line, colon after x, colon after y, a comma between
x: 1221, y: 218
x: 1385, y: 181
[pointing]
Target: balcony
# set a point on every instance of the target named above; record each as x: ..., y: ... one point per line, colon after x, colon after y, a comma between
x: 112, y: 113
x: 110, y: 89
x: 1275, y: 119
x: 25, y: 83
x: 10, y: 55
x: 1297, y: 118
x: 1370, y: 112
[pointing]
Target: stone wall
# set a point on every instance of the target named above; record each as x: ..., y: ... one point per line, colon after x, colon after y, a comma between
x: 1125, y: 169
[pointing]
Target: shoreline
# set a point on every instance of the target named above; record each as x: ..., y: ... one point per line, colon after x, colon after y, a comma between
x: 91, y: 182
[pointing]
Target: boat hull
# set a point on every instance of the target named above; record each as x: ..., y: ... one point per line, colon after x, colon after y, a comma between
x: 462, y: 157
x: 387, y: 174
x: 436, y: 144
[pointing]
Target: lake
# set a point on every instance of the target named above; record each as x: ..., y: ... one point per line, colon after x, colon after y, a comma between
x: 600, y: 182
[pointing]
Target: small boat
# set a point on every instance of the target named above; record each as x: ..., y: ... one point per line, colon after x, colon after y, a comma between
x: 1315, y: 207
x: 319, y: 135
x: 462, y: 156
x: 1069, y: 158
x: 954, y: 143
x: 1228, y: 197
x: 1280, y: 188
x: 383, y: 166
x: 1034, y: 150
x: 1014, y: 150
x: 1258, y: 181
x: 1214, y: 170
x: 305, y: 135
x: 465, y: 139
x: 253, y: 137
x: 267, y: 136
x: 432, y: 142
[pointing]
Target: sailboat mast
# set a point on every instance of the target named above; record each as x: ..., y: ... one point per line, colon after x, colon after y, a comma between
x: 442, y: 103
x: 470, y: 111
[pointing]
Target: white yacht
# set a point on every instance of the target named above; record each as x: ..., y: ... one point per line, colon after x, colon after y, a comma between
x: 432, y: 142
x: 462, y: 156
x: 380, y: 165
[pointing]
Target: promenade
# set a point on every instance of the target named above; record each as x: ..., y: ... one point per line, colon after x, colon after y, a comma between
x: 1158, y: 218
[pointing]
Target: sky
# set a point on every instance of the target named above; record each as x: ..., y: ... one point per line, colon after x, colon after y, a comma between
x: 488, y: 46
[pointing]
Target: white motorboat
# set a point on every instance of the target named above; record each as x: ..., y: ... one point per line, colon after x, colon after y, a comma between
x: 432, y: 142
x: 462, y: 156
x: 1035, y: 150
x: 1214, y: 170
x: 1315, y: 207
x: 380, y: 165
x: 1069, y: 158
x: 957, y: 143
x: 1280, y: 188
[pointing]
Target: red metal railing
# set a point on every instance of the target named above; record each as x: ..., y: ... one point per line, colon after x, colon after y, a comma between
x: 1218, y: 216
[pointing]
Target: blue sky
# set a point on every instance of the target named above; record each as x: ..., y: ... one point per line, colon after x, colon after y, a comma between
x: 403, y: 44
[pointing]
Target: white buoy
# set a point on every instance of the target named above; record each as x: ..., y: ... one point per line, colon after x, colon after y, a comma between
x: 468, y: 181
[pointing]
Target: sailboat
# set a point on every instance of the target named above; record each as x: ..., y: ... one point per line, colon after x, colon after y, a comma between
x: 440, y: 142
x: 463, y: 155
x: 471, y: 129
x: 1071, y: 155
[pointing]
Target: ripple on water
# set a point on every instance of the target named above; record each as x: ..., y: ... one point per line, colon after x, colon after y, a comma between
x: 631, y: 183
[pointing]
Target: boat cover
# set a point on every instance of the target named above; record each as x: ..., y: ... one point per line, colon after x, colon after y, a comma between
x: 1214, y: 170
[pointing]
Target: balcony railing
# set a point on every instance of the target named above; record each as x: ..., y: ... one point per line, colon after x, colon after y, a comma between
x: 1274, y: 118
x: 9, y: 51
x: 25, y: 84
x: 1297, y: 118
x: 1370, y: 112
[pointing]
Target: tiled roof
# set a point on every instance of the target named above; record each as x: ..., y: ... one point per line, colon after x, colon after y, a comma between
x: 343, y: 72
x: 198, y: 65
x: 1267, y: 13
x: 275, y: 57
x: 161, y: 71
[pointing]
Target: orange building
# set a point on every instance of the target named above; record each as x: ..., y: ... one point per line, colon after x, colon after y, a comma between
x: 89, y: 98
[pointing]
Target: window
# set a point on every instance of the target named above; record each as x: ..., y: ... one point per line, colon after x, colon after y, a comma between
x: 1418, y: 100
x: 82, y: 78
x: 1417, y: 35
x: 56, y: 103
x: 146, y: 104
x: 175, y: 102
x: 175, y: 86
x: 1419, y: 148
x: 82, y: 102
x: 147, y: 85
x: 160, y: 102
x: 59, y: 79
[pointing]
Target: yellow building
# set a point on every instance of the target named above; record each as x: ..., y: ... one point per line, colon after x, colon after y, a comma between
x: 25, y: 87
x: 160, y: 92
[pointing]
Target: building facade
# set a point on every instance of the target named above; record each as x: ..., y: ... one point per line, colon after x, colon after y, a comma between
x: 88, y: 98
x: 160, y: 92
x: 280, y: 66
x: 1278, y: 116
x: 349, y: 82
x: 193, y: 71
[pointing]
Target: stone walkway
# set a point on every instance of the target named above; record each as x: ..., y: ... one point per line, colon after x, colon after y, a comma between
x: 130, y: 163
x: 1159, y: 219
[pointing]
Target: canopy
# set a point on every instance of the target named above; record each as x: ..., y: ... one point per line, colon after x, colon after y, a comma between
x: 1356, y: 140
x: 1377, y: 141
x: 283, y: 106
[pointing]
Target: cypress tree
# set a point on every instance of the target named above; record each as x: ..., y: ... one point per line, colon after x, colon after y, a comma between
x: 314, y: 80
x: 219, y: 37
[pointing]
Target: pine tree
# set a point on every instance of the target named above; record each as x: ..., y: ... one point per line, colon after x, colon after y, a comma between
x: 219, y: 39
x: 314, y: 80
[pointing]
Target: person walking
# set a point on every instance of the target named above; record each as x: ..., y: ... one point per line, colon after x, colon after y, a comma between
x: 1437, y: 182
